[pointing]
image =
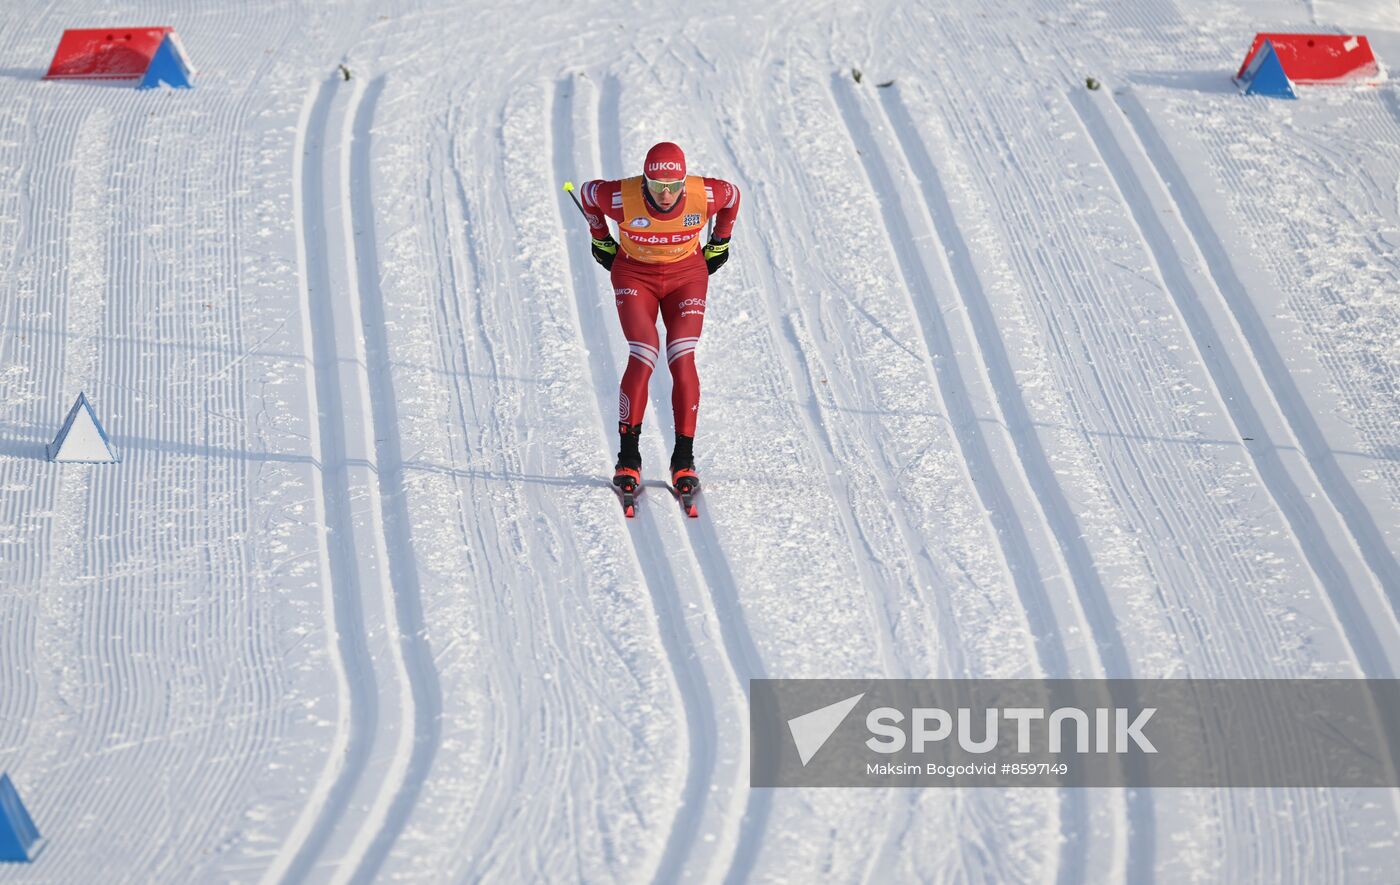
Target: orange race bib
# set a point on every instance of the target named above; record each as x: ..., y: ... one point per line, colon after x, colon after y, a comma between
x: 652, y: 240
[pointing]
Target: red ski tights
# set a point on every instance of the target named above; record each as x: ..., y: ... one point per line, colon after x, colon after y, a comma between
x: 677, y: 291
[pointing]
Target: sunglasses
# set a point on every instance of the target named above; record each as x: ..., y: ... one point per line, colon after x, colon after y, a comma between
x: 656, y: 187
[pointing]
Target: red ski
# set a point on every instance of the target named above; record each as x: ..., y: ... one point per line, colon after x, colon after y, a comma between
x: 685, y: 485
x: 628, y: 484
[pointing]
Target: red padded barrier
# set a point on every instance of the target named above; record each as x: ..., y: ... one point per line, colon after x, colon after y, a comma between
x: 1320, y: 58
x: 105, y: 53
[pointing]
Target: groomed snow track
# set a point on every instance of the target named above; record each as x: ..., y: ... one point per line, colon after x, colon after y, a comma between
x: 1005, y: 378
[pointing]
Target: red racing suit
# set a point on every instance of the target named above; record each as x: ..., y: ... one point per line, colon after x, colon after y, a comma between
x: 659, y: 268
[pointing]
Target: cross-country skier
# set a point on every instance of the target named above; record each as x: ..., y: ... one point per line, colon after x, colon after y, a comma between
x: 661, y: 266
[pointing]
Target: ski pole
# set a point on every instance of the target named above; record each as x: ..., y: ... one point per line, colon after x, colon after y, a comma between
x: 569, y: 186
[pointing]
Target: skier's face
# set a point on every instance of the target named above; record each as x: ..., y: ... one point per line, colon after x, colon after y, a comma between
x: 665, y: 193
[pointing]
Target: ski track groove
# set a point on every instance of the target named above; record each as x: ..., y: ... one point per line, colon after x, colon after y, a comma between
x: 947, y: 380
x: 522, y: 132
x: 1062, y: 332
x: 1301, y: 426
x: 946, y: 657
x: 492, y: 392
x: 1191, y: 248
x: 357, y: 695
x: 703, y: 543
x: 951, y: 653
x: 365, y: 478
x: 702, y: 539
x: 456, y: 360
x: 1031, y: 450
x: 741, y: 657
x: 492, y: 805
x: 1247, y: 417
x: 747, y: 665
x: 1367, y: 405
x: 1259, y: 214
x: 516, y: 352
x: 747, y: 661
x: 1279, y: 849
x: 652, y: 563
x: 919, y: 562
x: 388, y: 563
x: 785, y: 348
x: 788, y: 327
x: 954, y: 392
x: 1116, y: 399
x: 402, y: 565
x: 1159, y: 490
x: 869, y: 445
x: 1177, y: 262
x: 1261, y: 638
x: 952, y: 650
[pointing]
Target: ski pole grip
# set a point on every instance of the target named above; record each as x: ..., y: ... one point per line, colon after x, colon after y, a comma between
x: 569, y: 186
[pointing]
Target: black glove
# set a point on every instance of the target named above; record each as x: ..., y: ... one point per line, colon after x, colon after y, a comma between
x: 716, y: 253
x: 604, y: 251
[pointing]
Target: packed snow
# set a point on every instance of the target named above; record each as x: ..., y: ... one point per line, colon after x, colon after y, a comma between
x: 1006, y: 377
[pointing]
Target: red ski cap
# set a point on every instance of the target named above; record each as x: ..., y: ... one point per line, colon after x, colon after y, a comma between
x: 665, y: 162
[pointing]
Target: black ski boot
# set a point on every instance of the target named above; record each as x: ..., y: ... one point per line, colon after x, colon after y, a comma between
x: 683, y: 476
x: 627, y: 475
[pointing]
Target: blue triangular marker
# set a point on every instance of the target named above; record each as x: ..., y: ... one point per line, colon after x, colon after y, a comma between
x: 19, y: 838
x: 82, y: 438
x: 1265, y: 75
x: 169, y: 67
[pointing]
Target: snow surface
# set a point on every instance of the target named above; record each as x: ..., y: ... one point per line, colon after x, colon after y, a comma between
x: 1005, y: 378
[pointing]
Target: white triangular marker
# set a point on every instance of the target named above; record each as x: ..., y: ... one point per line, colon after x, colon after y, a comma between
x: 82, y: 437
x: 811, y: 730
